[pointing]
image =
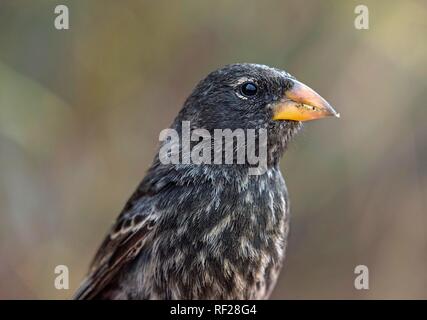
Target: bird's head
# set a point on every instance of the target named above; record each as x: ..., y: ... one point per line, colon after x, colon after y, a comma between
x: 250, y: 96
x: 253, y: 96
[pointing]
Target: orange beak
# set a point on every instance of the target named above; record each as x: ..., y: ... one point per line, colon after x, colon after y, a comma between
x: 301, y: 103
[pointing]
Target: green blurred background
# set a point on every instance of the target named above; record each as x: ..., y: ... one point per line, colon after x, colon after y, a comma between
x: 81, y: 110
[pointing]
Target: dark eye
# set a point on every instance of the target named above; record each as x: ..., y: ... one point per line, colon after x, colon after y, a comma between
x: 249, y: 89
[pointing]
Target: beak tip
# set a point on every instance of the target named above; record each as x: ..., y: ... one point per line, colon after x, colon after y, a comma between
x: 337, y: 115
x: 332, y: 111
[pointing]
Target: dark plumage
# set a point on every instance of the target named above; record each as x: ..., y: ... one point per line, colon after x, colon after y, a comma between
x: 207, y: 231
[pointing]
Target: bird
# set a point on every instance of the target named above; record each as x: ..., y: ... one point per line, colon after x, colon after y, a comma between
x: 207, y: 230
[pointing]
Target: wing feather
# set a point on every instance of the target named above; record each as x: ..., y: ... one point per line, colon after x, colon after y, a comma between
x: 123, y: 243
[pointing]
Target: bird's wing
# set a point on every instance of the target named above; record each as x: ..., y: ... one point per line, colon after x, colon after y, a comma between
x: 123, y: 243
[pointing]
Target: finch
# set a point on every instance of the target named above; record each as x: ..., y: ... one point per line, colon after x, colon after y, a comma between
x: 211, y: 230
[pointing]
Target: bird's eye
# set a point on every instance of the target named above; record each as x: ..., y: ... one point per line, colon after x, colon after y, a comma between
x: 249, y: 89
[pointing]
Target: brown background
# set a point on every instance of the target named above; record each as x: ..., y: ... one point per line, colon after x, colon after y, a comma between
x: 81, y: 110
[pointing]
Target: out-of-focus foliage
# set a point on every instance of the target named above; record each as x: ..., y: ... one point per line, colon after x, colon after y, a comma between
x: 81, y: 110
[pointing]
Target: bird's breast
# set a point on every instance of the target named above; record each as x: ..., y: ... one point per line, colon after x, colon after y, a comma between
x: 231, y: 241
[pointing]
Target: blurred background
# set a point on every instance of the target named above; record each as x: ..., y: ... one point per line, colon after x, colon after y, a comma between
x: 81, y: 111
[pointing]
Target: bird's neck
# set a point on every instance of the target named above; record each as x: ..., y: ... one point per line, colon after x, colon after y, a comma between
x: 217, y: 151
